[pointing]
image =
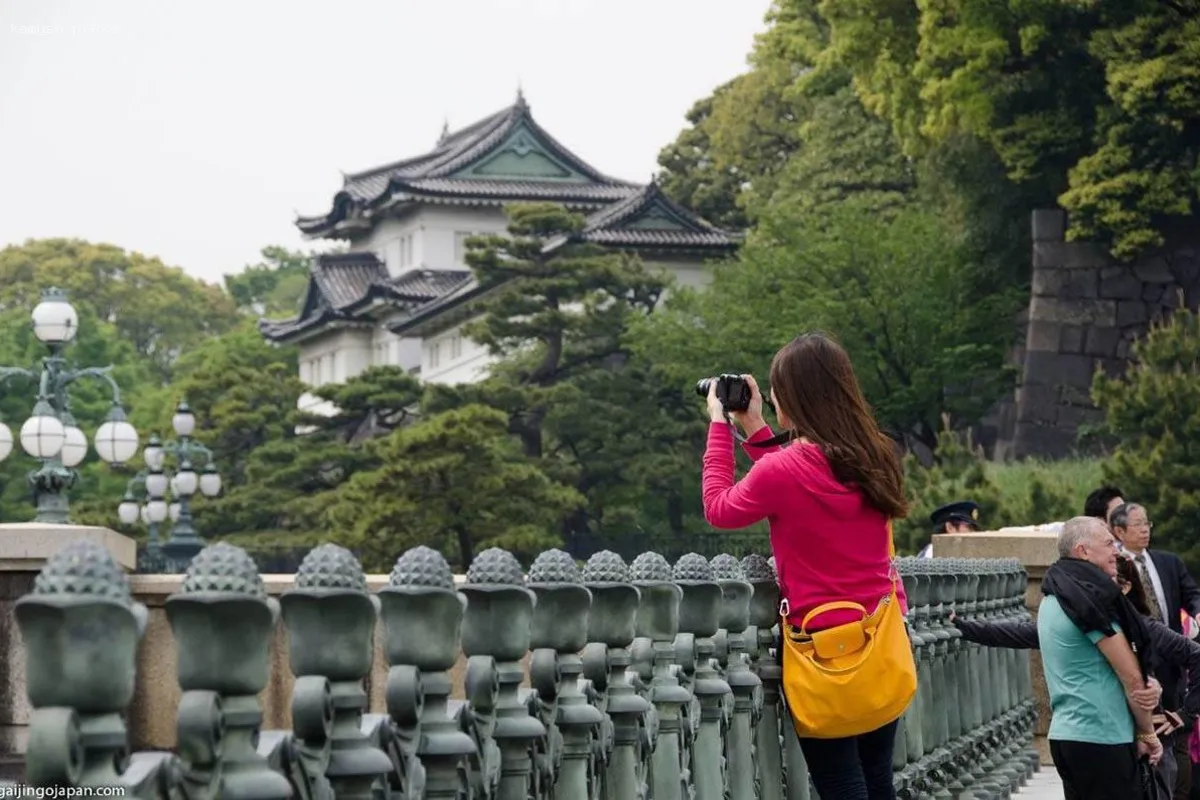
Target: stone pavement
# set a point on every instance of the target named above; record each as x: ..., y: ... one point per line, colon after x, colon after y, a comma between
x: 1044, y: 785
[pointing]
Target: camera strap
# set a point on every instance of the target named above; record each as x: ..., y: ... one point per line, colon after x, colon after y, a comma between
x: 774, y: 441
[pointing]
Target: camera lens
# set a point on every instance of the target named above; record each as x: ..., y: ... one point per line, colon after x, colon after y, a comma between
x: 702, y: 386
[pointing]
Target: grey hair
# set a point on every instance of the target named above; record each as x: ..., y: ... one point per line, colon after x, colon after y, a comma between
x: 1075, y: 532
x: 1119, y: 518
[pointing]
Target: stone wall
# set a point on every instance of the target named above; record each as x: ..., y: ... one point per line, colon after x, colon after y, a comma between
x: 1085, y: 311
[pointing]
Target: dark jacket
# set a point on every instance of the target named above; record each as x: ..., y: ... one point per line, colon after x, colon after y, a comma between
x: 1172, y: 654
x: 1179, y: 587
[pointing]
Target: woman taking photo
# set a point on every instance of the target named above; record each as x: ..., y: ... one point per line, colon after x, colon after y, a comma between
x: 829, y: 497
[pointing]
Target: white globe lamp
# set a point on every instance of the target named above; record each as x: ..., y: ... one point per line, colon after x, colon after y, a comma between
x: 185, y: 482
x: 128, y: 512
x: 184, y: 421
x: 75, y: 446
x: 6, y: 441
x: 116, y: 439
x: 156, y: 484
x: 54, y: 319
x: 43, y: 434
x: 156, y: 511
x: 210, y: 482
x: 154, y: 455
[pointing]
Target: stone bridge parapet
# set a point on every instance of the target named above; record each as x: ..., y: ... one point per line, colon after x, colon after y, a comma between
x: 610, y: 680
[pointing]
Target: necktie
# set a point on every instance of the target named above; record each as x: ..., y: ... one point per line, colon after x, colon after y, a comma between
x: 1151, y: 596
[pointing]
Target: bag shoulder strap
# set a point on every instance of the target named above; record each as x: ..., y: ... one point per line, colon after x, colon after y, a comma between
x: 893, y: 571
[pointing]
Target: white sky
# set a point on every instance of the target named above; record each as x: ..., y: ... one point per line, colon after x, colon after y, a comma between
x: 193, y: 131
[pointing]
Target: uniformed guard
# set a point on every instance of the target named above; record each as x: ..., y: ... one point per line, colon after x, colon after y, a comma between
x: 960, y: 517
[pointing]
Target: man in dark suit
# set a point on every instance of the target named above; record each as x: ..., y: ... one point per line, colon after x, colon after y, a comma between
x: 1169, y: 588
x: 1168, y: 584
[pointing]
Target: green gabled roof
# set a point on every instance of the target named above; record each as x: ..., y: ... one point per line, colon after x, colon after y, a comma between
x: 502, y: 158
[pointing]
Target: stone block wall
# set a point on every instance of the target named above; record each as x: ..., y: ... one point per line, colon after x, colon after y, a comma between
x: 1085, y: 311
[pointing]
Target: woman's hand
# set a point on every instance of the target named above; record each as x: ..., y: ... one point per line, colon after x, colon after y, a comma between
x: 1166, y: 723
x: 1147, y: 698
x: 751, y: 420
x: 1151, y: 747
x: 716, y: 411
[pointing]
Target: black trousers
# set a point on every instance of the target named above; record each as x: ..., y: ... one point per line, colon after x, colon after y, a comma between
x: 1097, y: 771
x: 1183, y: 757
x: 854, y: 768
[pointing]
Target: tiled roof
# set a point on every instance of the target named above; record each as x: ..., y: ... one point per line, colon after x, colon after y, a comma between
x: 426, y: 285
x: 649, y: 219
x: 467, y: 290
x: 343, y: 278
x: 468, y: 188
x: 431, y: 175
x: 342, y: 284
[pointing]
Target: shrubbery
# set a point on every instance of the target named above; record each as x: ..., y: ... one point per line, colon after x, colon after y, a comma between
x: 1153, y: 412
x: 1008, y: 494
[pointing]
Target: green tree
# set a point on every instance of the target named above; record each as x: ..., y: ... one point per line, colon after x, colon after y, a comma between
x: 742, y: 136
x: 160, y: 310
x: 1153, y: 412
x: 274, y: 287
x: 456, y: 481
x: 551, y: 314
x: 243, y: 392
x: 691, y: 177
x: 557, y: 318
x: 961, y: 472
x: 958, y: 473
x: 1095, y: 104
x: 895, y: 291
x: 280, y: 463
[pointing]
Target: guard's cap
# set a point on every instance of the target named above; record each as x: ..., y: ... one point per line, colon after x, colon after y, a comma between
x: 962, y: 511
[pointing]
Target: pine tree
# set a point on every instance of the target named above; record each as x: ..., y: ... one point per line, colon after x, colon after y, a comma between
x: 1154, y: 413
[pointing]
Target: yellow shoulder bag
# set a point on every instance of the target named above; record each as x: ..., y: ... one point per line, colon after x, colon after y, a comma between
x: 851, y: 679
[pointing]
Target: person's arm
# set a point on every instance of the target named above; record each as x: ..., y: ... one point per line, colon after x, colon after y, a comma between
x: 1012, y: 635
x: 1184, y: 654
x: 1117, y: 650
x: 730, y: 504
x: 1189, y: 592
x: 757, y: 431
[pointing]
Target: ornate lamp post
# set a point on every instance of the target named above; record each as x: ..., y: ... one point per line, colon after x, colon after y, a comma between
x: 182, y: 484
x: 50, y: 434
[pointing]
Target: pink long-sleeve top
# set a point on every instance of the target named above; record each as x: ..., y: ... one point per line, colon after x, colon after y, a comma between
x: 829, y: 543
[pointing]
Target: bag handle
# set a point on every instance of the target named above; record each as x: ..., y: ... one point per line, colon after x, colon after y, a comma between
x: 839, y: 605
x: 785, y: 608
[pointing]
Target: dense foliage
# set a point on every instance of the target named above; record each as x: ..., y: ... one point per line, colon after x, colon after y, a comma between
x: 1095, y: 104
x: 962, y: 472
x: 1154, y: 412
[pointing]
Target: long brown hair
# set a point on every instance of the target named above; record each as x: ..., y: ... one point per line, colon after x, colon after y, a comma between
x: 815, y: 388
x: 1127, y: 573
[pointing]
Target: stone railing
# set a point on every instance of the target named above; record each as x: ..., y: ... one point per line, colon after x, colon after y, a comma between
x: 643, y: 680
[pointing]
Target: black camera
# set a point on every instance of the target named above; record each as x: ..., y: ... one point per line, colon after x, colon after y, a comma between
x: 732, y: 390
